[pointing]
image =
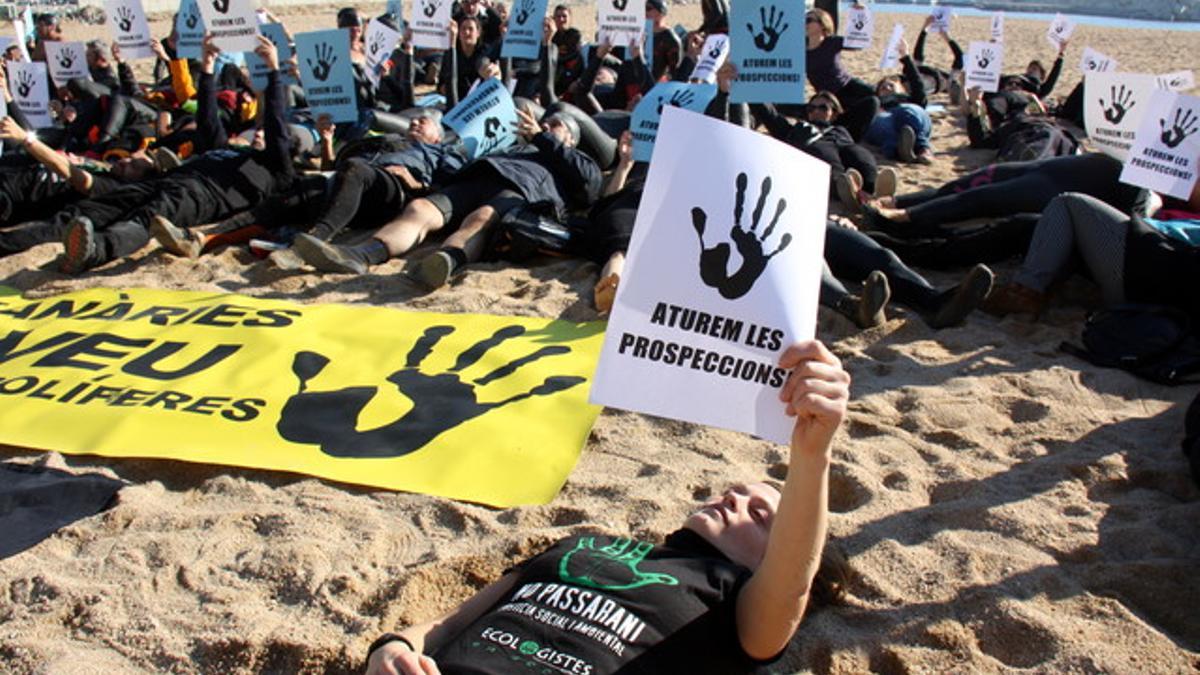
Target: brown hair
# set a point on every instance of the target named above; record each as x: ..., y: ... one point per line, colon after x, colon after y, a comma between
x: 822, y: 17
x: 832, y: 98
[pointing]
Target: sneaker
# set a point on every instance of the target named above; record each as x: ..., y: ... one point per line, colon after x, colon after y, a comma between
x: 875, y: 295
x: 1013, y: 298
x: 848, y: 185
x: 79, y: 246
x: 175, y: 240
x: 907, y: 145
x: 885, y: 182
x: 964, y: 299
x: 435, y: 269
x: 164, y: 159
x: 285, y: 259
x: 327, y: 257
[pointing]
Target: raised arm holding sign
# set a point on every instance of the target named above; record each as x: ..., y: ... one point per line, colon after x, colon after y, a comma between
x: 233, y: 24
x: 129, y: 29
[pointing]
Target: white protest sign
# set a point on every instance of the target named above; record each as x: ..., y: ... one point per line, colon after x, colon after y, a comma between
x: 1182, y: 80
x: 19, y: 29
x: 430, y: 24
x: 941, y: 20
x: 129, y: 29
x: 698, y: 327
x: 1113, y: 106
x: 620, y: 21
x: 233, y: 24
x: 380, y: 42
x: 189, y: 30
x: 1093, y: 61
x: 860, y: 27
x: 523, y: 39
x: 983, y: 65
x: 712, y: 57
x: 1167, y: 149
x: 1060, y: 30
x: 66, y: 61
x: 30, y: 88
x: 891, y: 53
x: 998, y: 27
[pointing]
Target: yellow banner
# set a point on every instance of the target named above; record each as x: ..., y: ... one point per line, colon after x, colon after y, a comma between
x: 481, y: 408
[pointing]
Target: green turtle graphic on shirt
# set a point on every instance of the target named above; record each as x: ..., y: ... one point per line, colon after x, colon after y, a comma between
x: 586, y: 565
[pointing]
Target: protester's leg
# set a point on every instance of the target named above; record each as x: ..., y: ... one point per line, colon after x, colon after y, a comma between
x: 467, y: 243
x: 853, y: 255
x: 1075, y: 223
x: 916, y: 118
x: 860, y: 105
x: 859, y: 158
x: 358, y: 183
x: 985, y: 243
x: 882, y: 133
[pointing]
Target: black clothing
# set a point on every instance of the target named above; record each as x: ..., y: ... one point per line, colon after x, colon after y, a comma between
x: 547, y: 174
x: 936, y: 79
x: 1023, y: 138
x: 668, y: 54
x: 831, y: 143
x: 1161, y: 269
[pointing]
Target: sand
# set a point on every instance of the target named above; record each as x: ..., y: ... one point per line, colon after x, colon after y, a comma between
x: 1005, y: 507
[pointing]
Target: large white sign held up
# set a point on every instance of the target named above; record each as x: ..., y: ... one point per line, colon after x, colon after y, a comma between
x: 723, y: 274
x: 860, y: 26
x: 984, y: 63
x: 1113, y: 105
x: 430, y: 24
x: 232, y: 24
x: 620, y: 22
x: 129, y: 29
x: 1167, y: 147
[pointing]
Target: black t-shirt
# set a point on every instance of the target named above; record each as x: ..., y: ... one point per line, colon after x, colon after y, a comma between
x: 597, y: 604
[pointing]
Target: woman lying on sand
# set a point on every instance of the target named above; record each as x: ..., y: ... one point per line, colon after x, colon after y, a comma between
x: 723, y: 594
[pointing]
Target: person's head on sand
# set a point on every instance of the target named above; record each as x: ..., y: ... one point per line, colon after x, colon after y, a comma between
x: 892, y: 85
x: 818, y: 25
x: 1036, y: 70
x: 824, y: 108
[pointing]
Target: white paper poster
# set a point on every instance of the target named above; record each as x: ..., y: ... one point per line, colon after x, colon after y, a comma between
x: 860, y: 27
x: 30, y: 88
x: 189, y: 30
x: 430, y: 24
x: 984, y: 62
x: 129, y: 29
x: 1093, y: 61
x: 712, y: 57
x: 232, y: 23
x: 1182, y: 80
x: 998, y: 27
x: 620, y: 21
x: 66, y: 61
x: 380, y: 42
x: 1167, y: 147
x: 697, y: 329
x: 1060, y: 30
x: 891, y: 53
x: 1113, y: 105
x: 941, y: 20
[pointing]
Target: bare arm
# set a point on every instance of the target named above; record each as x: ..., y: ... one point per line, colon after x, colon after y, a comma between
x: 616, y: 180
x: 55, y: 162
x: 772, y: 603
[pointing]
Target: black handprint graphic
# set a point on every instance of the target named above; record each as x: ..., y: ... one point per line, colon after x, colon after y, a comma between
x: 24, y: 84
x: 221, y: 6
x: 1121, y: 103
x: 491, y: 139
x: 124, y: 19
x: 490, y: 126
x: 682, y: 98
x: 768, y: 37
x: 715, y: 52
x: 430, y: 8
x: 325, y: 61
x: 376, y: 44
x: 524, y: 12
x: 860, y: 22
x: 1185, y: 125
x: 1090, y: 64
x: 66, y: 58
x: 440, y: 401
x: 191, y: 21
x: 985, y: 58
x: 714, y: 261
x: 620, y: 5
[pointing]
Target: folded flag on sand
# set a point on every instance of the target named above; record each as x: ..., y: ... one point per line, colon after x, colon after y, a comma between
x: 482, y: 408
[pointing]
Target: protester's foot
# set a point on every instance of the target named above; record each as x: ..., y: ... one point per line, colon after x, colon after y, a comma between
x: 79, y: 246
x: 875, y: 296
x: 848, y: 185
x: 906, y: 147
x: 604, y: 293
x: 286, y: 259
x: 1013, y: 298
x: 885, y: 182
x: 175, y: 240
x: 964, y: 298
x: 924, y: 156
x: 328, y: 257
x: 435, y: 269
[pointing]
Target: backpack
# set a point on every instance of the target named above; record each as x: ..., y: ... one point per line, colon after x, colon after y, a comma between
x: 1153, y: 342
x: 524, y: 233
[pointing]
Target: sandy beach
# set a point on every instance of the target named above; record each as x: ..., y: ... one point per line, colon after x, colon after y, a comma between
x: 1005, y: 507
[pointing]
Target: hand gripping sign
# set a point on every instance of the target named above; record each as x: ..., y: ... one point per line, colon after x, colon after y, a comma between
x: 712, y: 57
x: 620, y: 21
x: 648, y: 113
x: 326, y: 73
x: 1166, y: 151
x: 767, y: 46
x: 232, y: 23
x: 258, y: 67
x: 379, y: 42
x: 1060, y: 31
x: 129, y: 29
x: 941, y: 19
x: 723, y: 274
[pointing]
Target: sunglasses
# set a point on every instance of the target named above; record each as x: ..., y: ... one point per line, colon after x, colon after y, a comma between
x: 820, y: 106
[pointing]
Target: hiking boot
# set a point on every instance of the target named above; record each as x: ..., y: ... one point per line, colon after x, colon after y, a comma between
x: 885, y: 182
x: 79, y: 247
x: 435, y: 269
x: 875, y: 295
x: 175, y: 240
x: 1013, y: 298
x: 848, y: 185
x: 964, y: 299
x: 327, y: 257
x: 906, y: 147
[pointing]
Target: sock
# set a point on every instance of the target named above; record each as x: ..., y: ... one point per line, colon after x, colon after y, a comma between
x: 371, y: 251
x: 457, y: 256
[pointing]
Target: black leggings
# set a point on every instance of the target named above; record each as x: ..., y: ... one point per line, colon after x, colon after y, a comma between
x: 852, y: 255
x: 860, y: 105
x: 842, y: 157
x: 359, y: 183
x: 1013, y: 187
